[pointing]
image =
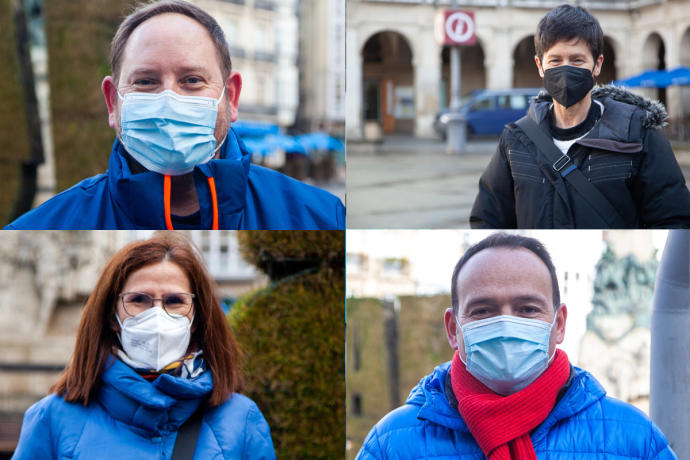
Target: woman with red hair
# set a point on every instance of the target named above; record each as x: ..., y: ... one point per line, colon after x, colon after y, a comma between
x: 155, y: 371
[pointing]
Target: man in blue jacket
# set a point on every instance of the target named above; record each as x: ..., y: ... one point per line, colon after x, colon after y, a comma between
x: 509, y: 393
x: 176, y: 163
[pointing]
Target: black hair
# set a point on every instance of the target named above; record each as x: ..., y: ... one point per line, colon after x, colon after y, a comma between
x: 506, y: 240
x: 567, y: 22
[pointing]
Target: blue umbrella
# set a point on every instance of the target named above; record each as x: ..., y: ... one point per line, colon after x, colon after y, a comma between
x: 287, y: 143
x: 258, y: 146
x: 255, y: 128
x: 680, y: 76
x: 320, y: 141
x: 647, y: 79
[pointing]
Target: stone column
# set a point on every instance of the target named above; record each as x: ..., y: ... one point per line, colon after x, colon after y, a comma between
x: 353, y: 82
x: 426, y: 60
x: 499, y: 59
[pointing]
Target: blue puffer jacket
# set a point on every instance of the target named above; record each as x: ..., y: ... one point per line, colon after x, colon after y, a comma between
x: 584, y: 424
x: 132, y: 418
x: 249, y: 197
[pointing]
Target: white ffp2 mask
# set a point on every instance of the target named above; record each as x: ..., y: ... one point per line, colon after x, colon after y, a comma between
x: 153, y: 339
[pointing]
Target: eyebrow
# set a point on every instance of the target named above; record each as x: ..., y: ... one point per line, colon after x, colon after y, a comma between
x: 571, y: 56
x: 184, y: 70
x: 488, y: 300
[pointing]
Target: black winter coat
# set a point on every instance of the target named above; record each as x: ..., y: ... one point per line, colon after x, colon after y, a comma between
x: 624, y: 156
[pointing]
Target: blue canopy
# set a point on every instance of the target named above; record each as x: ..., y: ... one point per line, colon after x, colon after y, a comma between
x: 320, y: 141
x: 647, y: 79
x: 287, y: 143
x: 254, y: 128
x: 257, y: 146
x: 680, y: 76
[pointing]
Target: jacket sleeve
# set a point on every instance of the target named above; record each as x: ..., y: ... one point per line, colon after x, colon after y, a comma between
x: 371, y: 449
x: 35, y: 440
x: 659, y: 189
x: 258, y: 444
x: 660, y: 449
x: 494, y: 206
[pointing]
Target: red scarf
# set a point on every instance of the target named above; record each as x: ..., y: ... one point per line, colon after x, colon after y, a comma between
x: 501, y: 424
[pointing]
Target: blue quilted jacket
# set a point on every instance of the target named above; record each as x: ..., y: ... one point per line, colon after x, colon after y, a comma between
x: 132, y: 418
x: 584, y: 424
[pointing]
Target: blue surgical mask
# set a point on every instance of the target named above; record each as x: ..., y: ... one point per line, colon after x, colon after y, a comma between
x: 168, y: 133
x: 507, y: 353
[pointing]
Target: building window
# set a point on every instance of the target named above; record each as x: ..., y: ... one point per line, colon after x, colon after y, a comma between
x: 264, y: 4
x: 356, y: 404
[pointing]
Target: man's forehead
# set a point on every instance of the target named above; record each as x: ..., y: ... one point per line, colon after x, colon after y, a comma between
x: 169, y: 36
x: 516, y: 272
x: 500, y: 262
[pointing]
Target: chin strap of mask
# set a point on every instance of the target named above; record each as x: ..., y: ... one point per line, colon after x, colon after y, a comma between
x: 166, y: 202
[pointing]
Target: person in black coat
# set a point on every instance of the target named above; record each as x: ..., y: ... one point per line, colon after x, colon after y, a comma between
x: 610, y: 134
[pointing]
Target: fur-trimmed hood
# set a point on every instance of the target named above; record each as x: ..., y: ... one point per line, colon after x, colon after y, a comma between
x: 655, y: 112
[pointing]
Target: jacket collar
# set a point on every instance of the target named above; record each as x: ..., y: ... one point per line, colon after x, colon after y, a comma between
x: 154, y: 407
x: 614, y: 124
x: 139, y: 197
x: 429, y: 395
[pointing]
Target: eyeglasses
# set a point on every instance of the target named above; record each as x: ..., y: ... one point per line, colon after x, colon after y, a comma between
x: 175, y: 304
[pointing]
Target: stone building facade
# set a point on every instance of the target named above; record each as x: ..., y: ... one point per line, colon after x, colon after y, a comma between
x: 397, y: 75
x: 263, y: 40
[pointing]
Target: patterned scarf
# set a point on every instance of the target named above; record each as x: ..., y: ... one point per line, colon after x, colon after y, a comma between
x: 189, y: 366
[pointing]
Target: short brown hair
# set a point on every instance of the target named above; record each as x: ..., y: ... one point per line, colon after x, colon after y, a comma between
x: 147, y: 11
x: 567, y: 22
x: 97, y: 334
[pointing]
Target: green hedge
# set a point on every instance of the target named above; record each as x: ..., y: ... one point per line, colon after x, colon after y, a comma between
x: 13, y: 134
x: 283, y: 252
x: 78, y: 34
x: 293, y: 337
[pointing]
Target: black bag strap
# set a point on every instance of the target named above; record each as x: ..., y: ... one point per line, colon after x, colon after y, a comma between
x: 562, y: 164
x: 187, y: 435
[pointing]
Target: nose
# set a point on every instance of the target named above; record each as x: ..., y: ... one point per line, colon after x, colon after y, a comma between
x: 159, y: 301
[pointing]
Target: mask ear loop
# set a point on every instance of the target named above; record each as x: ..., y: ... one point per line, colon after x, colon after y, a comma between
x: 555, y: 320
x: 457, y: 326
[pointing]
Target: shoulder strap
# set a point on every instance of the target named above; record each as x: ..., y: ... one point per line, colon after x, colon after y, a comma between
x: 561, y: 163
x: 187, y: 435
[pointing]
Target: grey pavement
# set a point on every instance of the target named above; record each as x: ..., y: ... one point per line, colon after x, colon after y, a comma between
x: 407, y: 182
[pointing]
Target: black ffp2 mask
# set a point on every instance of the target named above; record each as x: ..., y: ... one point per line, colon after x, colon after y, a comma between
x: 568, y: 84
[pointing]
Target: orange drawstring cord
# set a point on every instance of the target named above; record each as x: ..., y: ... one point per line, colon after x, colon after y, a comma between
x: 214, y: 202
x: 166, y: 202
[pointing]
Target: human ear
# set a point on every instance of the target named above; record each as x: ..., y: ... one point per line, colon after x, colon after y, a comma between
x: 562, y: 316
x: 233, y: 87
x: 539, y: 67
x: 597, y: 65
x: 109, y: 90
x: 451, y: 328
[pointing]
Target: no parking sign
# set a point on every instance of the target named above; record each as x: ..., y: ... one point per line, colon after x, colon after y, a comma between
x: 455, y: 27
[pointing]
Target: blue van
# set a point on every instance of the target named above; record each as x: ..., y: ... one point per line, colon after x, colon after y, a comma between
x: 489, y: 110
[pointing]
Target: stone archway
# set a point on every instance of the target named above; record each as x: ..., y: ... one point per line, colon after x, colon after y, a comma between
x: 654, y: 58
x: 473, y: 72
x: 388, y: 93
x: 608, y: 69
x: 525, y: 73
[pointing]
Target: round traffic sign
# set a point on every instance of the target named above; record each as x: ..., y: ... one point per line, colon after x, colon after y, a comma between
x: 459, y: 27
